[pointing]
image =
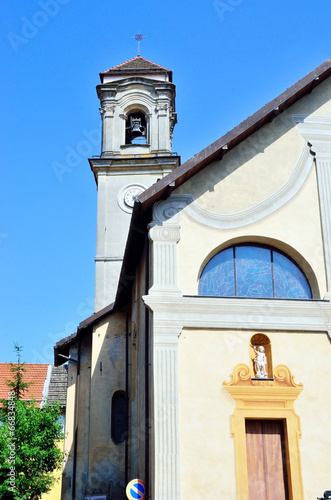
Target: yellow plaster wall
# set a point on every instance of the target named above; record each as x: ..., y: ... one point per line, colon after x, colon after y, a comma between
x: 55, y: 493
x: 69, y: 426
x: 273, y: 150
x: 308, y: 356
x: 106, y: 459
x: 83, y: 415
x: 206, y: 359
x: 99, y: 461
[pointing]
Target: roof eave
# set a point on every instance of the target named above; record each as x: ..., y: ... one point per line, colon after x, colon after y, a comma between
x: 63, y: 346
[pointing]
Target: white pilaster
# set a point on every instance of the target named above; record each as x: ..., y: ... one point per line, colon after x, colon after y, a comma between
x: 163, y: 128
x: 166, y: 484
x: 107, y: 110
x: 164, y: 258
x: 164, y: 235
x: 316, y: 130
x: 107, y: 127
x: 165, y: 117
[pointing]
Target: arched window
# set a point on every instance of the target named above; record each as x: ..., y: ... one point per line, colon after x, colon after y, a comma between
x: 136, y: 128
x: 119, y: 417
x: 253, y: 271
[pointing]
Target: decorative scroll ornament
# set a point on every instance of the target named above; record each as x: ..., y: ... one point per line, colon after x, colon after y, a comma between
x: 284, y: 377
x: 163, y: 211
x: 241, y: 376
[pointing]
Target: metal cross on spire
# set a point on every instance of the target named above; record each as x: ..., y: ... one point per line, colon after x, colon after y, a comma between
x: 138, y: 38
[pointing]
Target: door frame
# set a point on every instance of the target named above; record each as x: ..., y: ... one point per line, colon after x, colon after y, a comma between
x: 271, y: 399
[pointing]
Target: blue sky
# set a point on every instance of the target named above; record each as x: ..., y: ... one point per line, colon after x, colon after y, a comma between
x: 228, y: 57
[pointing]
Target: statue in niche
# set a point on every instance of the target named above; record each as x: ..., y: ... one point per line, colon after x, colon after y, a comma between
x: 260, y: 362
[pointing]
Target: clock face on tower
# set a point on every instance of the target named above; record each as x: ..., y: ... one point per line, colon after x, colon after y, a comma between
x: 127, y: 195
x: 131, y: 194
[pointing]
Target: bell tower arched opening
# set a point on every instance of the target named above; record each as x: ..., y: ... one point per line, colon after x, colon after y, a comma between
x: 136, y: 128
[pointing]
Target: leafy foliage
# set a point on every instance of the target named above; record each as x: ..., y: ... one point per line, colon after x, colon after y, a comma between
x: 29, y: 451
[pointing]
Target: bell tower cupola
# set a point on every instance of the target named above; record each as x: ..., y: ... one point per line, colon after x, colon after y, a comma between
x: 137, y: 107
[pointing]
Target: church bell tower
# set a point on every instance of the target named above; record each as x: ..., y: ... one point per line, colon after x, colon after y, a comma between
x: 138, y: 115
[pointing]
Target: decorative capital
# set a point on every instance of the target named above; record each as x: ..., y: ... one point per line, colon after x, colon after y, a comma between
x: 161, y: 107
x: 107, y: 108
x: 164, y: 233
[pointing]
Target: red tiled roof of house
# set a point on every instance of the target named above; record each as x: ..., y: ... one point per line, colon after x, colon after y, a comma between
x: 35, y: 373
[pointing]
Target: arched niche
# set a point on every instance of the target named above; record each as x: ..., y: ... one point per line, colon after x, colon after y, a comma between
x: 257, y: 341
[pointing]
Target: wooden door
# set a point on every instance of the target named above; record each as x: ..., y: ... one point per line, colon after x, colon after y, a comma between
x: 266, y: 460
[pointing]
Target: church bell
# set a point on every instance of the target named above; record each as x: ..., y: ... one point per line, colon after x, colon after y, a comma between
x: 137, y: 129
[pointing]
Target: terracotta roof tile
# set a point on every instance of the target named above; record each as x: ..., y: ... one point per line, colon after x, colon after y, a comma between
x: 136, y: 63
x: 35, y: 373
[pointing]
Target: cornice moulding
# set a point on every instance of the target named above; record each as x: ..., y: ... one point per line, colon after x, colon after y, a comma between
x: 243, y: 314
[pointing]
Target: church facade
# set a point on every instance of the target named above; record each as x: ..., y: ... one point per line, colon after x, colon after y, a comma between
x: 205, y: 370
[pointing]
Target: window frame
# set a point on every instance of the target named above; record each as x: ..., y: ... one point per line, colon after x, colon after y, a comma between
x: 271, y: 249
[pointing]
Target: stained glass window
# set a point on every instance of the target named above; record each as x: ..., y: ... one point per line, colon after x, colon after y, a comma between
x: 253, y: 271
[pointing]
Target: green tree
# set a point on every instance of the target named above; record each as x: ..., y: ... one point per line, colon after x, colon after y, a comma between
x: 29, y: 438
x: 18, y: 385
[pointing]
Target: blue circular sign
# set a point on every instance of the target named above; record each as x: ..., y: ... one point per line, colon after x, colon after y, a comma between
x: 135, y: 490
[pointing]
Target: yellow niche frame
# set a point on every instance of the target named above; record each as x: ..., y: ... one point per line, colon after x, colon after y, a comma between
x: 266, y: 399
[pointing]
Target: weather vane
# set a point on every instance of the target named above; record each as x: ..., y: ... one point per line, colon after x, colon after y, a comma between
x: 138, y: 38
